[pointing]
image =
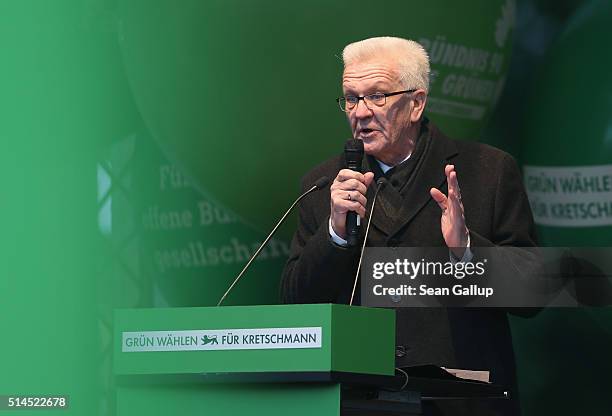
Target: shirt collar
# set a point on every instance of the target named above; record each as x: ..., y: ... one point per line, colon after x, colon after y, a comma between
x: 384, y: 167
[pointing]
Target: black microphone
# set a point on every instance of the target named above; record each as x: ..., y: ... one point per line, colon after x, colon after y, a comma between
x: 379, y: 185
x: 319, y: 184
x: 353, y: 153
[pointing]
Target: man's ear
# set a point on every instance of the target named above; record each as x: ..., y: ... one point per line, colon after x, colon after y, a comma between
x: 419, y: 99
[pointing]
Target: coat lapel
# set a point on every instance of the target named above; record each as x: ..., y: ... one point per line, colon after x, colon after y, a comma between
x: 388, y: 201
x: 399, y: 202
x: 429, y: 173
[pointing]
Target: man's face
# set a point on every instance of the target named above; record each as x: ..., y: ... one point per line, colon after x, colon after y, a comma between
x: 385, y: 131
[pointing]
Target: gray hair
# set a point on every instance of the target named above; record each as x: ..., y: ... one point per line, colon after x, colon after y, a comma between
x: 411, y: 57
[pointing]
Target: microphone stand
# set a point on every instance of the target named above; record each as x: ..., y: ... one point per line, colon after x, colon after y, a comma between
x: 380, y: 183
x: 318, y: 185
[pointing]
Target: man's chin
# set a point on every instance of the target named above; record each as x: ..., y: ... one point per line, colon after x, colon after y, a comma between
x: 370, y: 150
x: 371, y: 144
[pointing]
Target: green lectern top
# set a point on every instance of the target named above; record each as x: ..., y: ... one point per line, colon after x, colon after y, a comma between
x: 255, y: 339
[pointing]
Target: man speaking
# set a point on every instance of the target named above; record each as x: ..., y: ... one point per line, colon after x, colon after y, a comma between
x: 439, y: 192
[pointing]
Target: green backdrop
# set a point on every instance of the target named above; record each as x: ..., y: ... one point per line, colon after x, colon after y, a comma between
x: 147, y: 147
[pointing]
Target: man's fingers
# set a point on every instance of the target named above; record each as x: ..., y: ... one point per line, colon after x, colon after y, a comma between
x: 369, y: 177
x: 451, y: 179
x: 343, y: 206
x: 455, y: 207
x: 439, y: 197
x: 455, y: 192
x: 455, y: 197
x: 342, y: 195
x: 350, y: 185
x: 455, y: 182
x: 453, y: 204
x: 346, y: 174
x: 348, y: 192
x: 448, y: 169
x: 347, y: 200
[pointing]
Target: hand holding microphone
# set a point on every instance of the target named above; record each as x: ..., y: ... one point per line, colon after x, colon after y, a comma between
x: 348, y: 194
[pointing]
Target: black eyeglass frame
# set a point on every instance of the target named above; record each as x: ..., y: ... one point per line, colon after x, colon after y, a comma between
x: 342, y: 99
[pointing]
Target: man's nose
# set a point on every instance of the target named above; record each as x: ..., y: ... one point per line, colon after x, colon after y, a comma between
x: 362, y: 110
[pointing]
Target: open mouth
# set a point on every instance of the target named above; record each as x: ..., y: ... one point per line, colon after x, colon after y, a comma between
x: 366, y: 132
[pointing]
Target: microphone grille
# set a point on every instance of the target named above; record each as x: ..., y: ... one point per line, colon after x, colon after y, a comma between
x: 353, y: 152
x: 322, y: 182
x: 353, y: 145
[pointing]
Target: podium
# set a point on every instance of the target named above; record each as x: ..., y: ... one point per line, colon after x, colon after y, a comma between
x: 319, y: 359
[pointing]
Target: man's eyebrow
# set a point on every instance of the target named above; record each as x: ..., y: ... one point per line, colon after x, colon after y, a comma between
x: 378, y: 87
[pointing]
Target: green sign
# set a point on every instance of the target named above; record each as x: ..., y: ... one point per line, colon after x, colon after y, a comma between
x: 222, y: 339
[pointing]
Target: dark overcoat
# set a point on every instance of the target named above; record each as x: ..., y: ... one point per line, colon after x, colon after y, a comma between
x: 497, y: 213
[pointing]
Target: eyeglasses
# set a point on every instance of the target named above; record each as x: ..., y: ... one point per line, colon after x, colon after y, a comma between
x: 348, y: 102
